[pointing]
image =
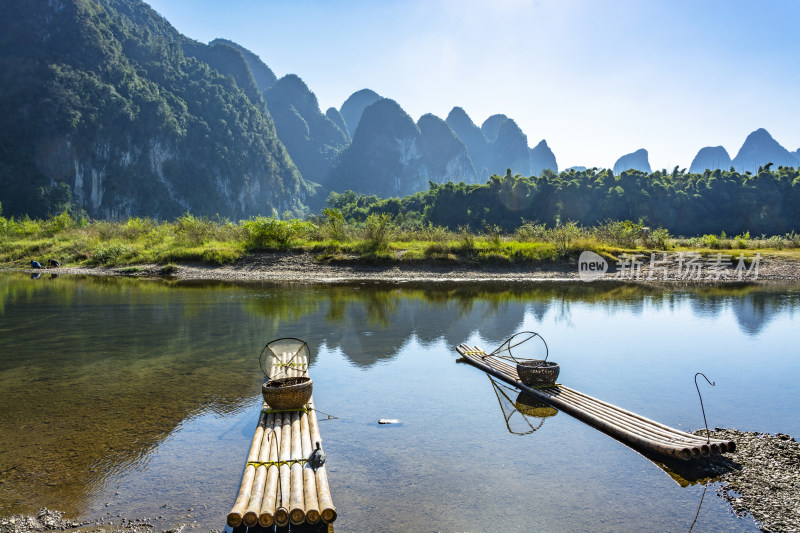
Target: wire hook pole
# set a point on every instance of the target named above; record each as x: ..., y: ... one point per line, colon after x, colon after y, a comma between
x: 713, y: 384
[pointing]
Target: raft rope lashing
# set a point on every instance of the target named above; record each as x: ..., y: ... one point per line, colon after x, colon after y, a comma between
x: 305, y: 409
x: 288, y: 462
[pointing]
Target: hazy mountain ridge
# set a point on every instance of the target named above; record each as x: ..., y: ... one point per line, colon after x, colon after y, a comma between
x: 385, y: 157
x: 313, y: 140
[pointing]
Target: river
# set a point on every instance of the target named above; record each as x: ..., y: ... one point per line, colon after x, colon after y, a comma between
x: 124, y: 398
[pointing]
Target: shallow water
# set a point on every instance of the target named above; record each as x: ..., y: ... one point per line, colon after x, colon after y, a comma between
x: 139, y: 399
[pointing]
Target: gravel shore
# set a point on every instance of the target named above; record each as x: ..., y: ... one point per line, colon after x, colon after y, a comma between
x: 761, y: 478
x: 302, y: 268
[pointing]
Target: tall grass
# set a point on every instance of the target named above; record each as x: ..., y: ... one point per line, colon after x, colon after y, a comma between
x: 219, y: 241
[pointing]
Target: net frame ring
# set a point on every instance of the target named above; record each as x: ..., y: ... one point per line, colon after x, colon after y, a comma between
x: 509, y: 343
x: 268, y: 346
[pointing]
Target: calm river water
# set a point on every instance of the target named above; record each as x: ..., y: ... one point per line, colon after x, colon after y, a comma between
x: 127, y: 398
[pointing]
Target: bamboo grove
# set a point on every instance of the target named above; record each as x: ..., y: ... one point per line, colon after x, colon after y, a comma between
x: 767, y: 202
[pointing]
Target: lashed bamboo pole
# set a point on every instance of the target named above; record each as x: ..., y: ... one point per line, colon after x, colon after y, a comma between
x: 284, y: 478
x: 250, y: 517
x: 297, y: 514
x: 616, y: 416
x: 327, y: 510
x: 236, y: 514
x: 266, y: 515
x: 313, y: 426
x: 309, y: 479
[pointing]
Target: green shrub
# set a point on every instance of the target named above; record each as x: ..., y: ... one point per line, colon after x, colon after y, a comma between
x: 378, y: 232
x: 659, y: 239
x: 624, y: 233
x: 531, y: 231
x: 108, y: 255
x: 563, y: 235
x: 466, y: 240
x: 711, y: 241
x: 741, y: 241
x: 334, y: 226
x: 494, y: 236
x: 271, y: 233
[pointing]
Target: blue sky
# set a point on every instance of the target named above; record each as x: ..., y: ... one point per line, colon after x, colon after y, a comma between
x: 596, y: 79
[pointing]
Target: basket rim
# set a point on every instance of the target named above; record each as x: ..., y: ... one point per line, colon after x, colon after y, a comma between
x: 287, y: 382
x: 537, y: 363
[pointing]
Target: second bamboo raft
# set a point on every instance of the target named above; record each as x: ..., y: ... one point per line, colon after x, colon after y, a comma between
x: 623, y: 425
x: 278, y: 486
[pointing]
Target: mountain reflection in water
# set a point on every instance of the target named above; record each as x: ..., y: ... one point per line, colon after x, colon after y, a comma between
x: 95, y: 373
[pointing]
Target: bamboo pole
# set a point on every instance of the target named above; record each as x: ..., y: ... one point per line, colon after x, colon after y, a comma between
x: 235, y: 515
x: 313, y: 426
x: 309, y: 479
x: 250, y: 517
x: 266, y: 515
x: 284, y: 478
x: 327, y: 510
x: 297, y: 513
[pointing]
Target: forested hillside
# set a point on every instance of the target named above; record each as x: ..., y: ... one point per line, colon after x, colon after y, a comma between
x: 105, y: 107
x: 766, y: 202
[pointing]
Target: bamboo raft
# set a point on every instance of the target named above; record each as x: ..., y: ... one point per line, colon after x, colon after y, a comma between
x: 278, y: 486
x: 625, y: 426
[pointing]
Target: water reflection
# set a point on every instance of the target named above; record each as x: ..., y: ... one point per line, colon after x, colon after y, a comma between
x: 530, y: 412
x: 96, y: 373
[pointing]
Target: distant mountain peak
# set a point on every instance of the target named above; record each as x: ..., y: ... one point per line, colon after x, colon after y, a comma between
x: 637, y: 160
x: 760, y: 148
x: 491, y: 126
x: 542, y: 158
x: 710, y: 158
x: 263, y: 75
x: 354, y: 107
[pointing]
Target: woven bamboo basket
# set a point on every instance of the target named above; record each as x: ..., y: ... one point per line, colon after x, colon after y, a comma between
x: 287, y: 393
x: 536, y: 373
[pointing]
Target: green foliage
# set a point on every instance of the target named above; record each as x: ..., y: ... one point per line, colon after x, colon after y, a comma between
x: 467, y: 240
x: 563, y: 236
x: 675, y: 202
x: 272, y: 233
x: 109, y: 254
x: 378, y: 233
x: 741, y: 241
x: 111, y: 87
x: 334, y: 225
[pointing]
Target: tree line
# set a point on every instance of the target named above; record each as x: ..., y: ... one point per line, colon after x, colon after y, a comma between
x: 765, y: 202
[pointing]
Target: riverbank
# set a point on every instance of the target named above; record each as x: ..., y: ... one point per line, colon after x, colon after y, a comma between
x: 305, y: 267
x: 762, y: 478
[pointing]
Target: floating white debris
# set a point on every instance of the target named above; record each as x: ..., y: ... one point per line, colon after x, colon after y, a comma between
x: 388, y: 421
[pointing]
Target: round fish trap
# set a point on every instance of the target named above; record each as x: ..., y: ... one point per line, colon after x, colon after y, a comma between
x: 287, y: 393
x: 536, y: 373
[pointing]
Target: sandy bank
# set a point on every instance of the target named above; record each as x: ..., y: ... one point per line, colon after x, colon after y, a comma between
x: 301, y: 267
